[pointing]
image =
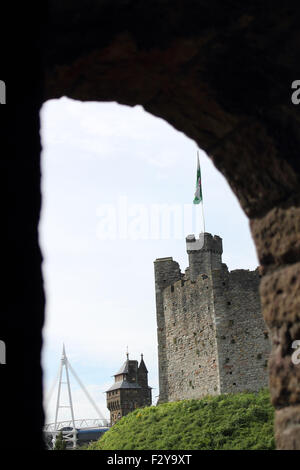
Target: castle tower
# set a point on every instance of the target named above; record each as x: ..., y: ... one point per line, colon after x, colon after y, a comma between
x: 211, y: 334
x: 130, y: 390
x: 205, y: 254
x: 166, y: 273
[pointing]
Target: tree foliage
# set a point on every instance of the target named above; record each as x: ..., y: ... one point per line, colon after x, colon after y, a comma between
x: 60, y: 443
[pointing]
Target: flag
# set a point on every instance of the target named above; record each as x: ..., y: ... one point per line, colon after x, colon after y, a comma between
x: 198, y: 193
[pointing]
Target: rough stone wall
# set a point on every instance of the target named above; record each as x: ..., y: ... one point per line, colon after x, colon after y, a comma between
x: 166, y: 272
x: 242, y: 336
x: 214, y: 337
x: 191, y: 350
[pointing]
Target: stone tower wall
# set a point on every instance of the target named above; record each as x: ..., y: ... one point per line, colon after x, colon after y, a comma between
x: 242, y: 336
x: 166, y: 272
x: 190, y: 359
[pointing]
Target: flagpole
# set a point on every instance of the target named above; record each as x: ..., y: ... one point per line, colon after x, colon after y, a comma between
x: 201, y: 203
x: 202, y: 212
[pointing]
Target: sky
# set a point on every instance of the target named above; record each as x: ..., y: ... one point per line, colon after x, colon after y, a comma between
x: 117, y: 192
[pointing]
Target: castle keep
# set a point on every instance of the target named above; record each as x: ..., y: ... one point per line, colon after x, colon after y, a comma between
x: 212, y: 338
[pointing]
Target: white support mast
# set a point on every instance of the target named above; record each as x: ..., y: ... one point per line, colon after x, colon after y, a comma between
x: 70, y: 436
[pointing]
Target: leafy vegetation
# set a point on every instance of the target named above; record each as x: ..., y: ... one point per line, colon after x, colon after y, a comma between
x: 60, y: 443
x: 238, y: 421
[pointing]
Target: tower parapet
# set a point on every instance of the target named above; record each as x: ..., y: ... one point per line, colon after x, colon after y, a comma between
x: 205, y: 254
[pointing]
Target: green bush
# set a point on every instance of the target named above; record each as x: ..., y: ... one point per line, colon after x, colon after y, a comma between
x: 60, y: 443
x: 235, y: 421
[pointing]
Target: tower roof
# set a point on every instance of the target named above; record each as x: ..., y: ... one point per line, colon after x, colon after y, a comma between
x: 123, y: 384
x: 142, y: 364
x: 124, y: 369
x: 129, y: 375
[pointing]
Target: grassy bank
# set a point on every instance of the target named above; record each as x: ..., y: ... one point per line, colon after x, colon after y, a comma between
x: 237, y: 421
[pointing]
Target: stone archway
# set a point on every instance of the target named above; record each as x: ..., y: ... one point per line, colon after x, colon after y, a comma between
x: 221, y: 73
x: 223, y: 76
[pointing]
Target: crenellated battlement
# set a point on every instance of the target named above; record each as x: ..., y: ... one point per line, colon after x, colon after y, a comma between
x: 205, y: 253
x: 205, y: 242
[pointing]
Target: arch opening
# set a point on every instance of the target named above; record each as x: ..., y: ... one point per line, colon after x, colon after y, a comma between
x: 98, y: 161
